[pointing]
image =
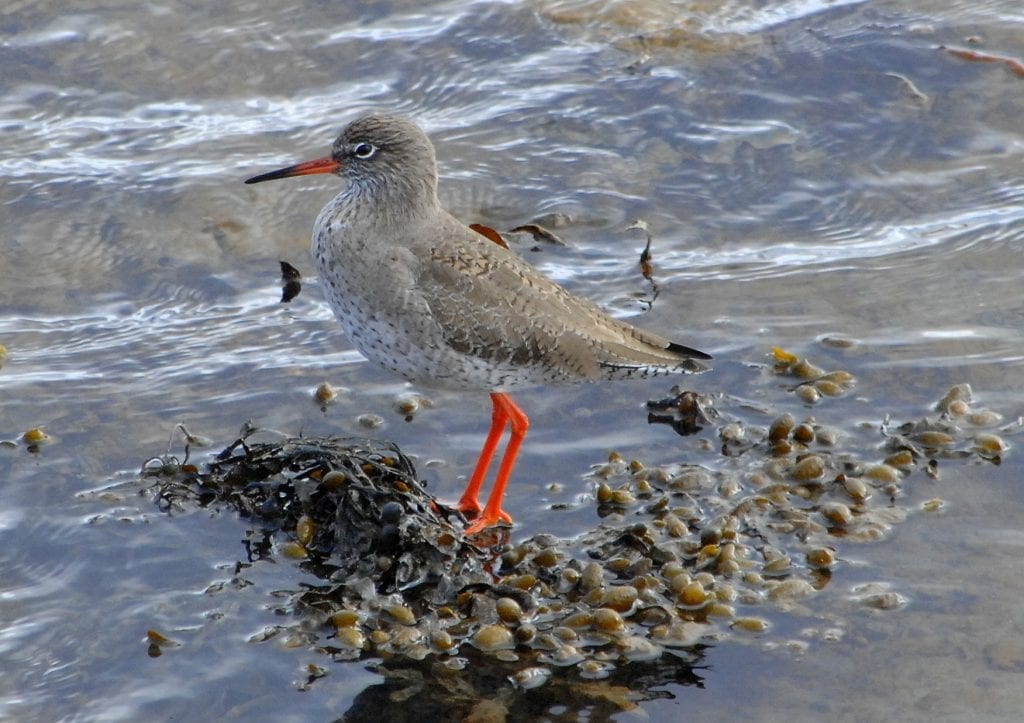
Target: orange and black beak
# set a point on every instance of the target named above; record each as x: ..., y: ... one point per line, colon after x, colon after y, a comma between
x: 320, y: 165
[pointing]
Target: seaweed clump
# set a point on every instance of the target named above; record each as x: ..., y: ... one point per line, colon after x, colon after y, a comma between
x: 353, y: 508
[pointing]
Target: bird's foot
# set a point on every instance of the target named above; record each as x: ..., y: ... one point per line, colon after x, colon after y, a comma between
x: 470, y: 508
x: 485, y: 521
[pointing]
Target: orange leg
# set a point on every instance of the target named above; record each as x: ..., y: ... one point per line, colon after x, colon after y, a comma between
x: 505, y: 412
x: 468, y: 503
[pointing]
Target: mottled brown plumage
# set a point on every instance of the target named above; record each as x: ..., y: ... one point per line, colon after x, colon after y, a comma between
x: 426, y: 297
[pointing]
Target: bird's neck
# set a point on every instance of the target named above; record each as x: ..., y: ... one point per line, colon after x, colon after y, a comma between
x: 363, y: 222
x: 382, y: 208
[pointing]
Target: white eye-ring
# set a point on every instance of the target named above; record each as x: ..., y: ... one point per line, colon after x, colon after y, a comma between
x: 364, y: 150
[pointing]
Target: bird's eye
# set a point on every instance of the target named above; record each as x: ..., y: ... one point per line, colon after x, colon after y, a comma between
x: 364, y: 150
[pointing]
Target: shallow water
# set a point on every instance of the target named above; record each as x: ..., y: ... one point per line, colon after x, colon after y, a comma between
x: 807, y: 170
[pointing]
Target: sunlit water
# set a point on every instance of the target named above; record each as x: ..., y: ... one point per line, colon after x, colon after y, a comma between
x: 807, y: 170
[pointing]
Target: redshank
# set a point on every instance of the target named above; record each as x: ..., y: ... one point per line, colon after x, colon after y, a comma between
x: 431, y: 300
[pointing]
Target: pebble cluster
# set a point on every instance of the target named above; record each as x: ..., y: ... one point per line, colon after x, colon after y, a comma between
x: 684, y: 554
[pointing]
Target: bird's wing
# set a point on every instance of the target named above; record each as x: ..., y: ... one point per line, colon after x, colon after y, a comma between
x: 490, y: 303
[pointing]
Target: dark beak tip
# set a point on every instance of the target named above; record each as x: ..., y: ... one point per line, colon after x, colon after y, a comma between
x: 263, y: 177
x: 320, y: 165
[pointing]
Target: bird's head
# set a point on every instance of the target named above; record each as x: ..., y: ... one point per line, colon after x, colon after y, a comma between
x: 384, y: 158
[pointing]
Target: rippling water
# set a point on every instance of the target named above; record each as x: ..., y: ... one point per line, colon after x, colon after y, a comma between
x: 807, y: 169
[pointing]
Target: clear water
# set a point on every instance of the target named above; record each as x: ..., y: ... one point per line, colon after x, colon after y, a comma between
x: 807, y: 169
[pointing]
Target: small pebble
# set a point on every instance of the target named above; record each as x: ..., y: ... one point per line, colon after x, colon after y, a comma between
x: 780, y: 428
x: 530, y: 678
x: 35, y: 436
x: 350, y: 638
x: 883, y: 473
x: 370, y: 421
x: 693, y: 594
x: 620, y: 598
x: 750, y: 625
x: 821, y: 558
x: 803, y: 433
x: 325, y: 393
x: 989, y: 444
x: 808, y: 394
x: 803, y: 369
x: 836, y: 513
x: 509, y: 610
x: 829, y: 389
x: 809, y: 468
x: 401, y: 614
x: 493, y: 637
